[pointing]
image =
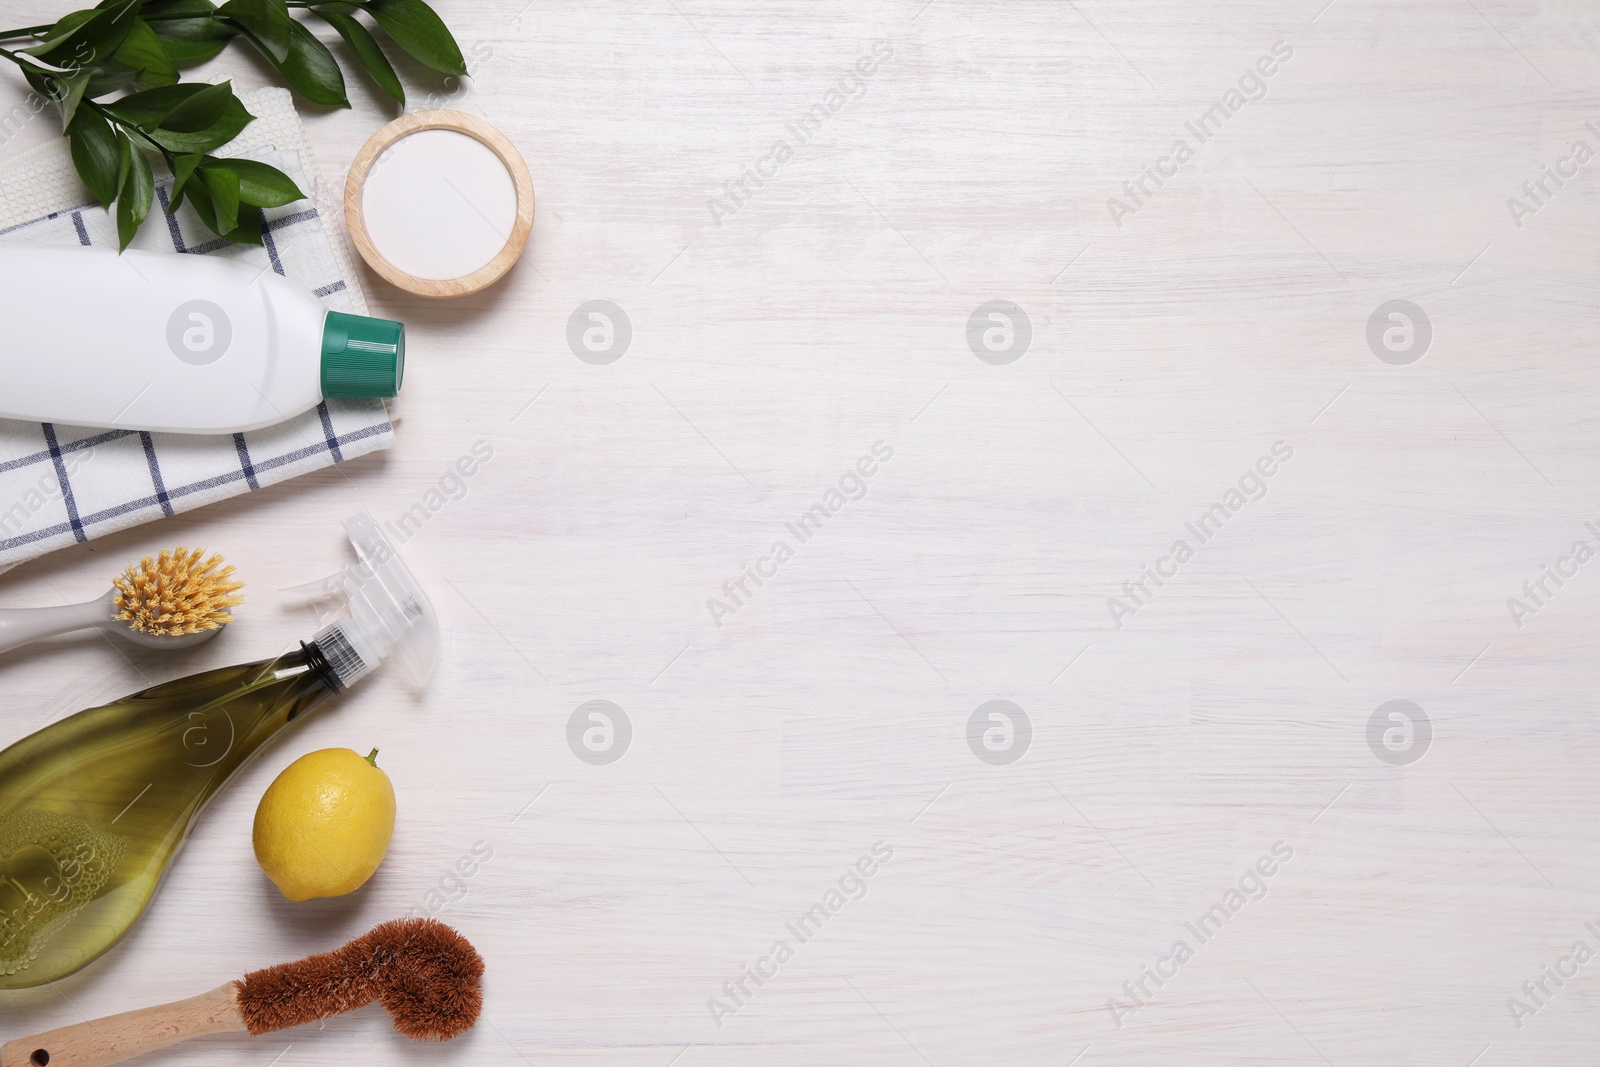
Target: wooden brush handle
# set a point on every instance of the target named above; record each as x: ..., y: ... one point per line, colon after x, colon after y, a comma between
x: 111, y: 1040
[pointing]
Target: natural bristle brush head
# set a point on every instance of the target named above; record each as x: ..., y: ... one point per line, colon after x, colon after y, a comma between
x: 176, y: 594
x: 427, y: 977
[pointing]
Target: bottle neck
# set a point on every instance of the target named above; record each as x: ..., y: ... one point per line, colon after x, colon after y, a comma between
x: 321, y: 666
x: 342, y: 655
x: 278, y: 693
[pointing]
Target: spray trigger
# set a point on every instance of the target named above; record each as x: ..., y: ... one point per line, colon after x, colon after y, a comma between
x: 374, y: 610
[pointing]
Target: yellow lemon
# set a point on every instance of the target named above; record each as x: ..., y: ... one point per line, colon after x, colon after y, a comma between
x: 324, y: 824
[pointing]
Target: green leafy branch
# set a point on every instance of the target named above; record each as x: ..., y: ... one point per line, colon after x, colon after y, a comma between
x: 135, y: 47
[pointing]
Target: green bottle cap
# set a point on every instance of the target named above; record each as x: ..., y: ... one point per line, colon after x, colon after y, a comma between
x: 362, y: 357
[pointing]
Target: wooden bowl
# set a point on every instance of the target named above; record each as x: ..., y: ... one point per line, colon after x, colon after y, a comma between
x: 478, y: 130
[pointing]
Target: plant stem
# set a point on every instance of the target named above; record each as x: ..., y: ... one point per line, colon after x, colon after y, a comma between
x: 34, y: 31
x: 171, y: 18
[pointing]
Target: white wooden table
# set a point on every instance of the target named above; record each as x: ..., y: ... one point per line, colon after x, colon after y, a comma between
x: 1438, y: 860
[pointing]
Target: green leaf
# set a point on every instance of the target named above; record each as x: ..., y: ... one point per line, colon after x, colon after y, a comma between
x: 62, y: 90
x: 259, y: 184
x: 67, y: 93
x: 107, y: 79
x: 171, y: 9
x: 147, y: 109
x: 311, y: 70
x: 223, y: 185
x: 63, y: 27
x: 187, y: 117
x: 85, y: 38
x: 200, y: 200
x: 94, y: 154
x: 133, y: 203
x: 40, y: 82
x: 182, y: 170
x: 267, y: 21
x: 201, y: 110
x: 421, y: 32
x: 366, y: 48
x: 251, y: 223
x: 124, y: 158
x: 193, y: 39
x: 234, y: 119
x: 57, y: 36
x: 143, y: 53
x: 246, y: 231
x: 177, y: 10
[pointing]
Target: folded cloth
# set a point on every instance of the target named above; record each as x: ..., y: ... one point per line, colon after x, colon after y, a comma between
x: 60, y: 485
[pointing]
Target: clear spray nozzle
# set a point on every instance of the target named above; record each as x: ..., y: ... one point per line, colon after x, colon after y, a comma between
x: 379, y: 612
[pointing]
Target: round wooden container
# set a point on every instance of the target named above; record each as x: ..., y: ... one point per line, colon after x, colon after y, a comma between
x: 478, y: 130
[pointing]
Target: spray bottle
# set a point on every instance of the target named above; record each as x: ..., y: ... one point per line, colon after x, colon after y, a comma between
x: 95, y: 807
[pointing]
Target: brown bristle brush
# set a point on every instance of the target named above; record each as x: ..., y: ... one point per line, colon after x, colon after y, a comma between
x: 427, y: 976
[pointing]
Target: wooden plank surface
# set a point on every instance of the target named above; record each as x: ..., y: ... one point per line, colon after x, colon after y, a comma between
x: 1174, y: 743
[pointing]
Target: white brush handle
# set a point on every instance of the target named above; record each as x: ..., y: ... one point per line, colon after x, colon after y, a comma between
x: 23, y: 626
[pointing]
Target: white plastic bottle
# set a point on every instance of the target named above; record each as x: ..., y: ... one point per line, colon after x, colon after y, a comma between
x: 177, y: 343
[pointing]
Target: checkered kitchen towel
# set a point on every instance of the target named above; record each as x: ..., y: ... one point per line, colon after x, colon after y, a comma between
x: 60, y: 484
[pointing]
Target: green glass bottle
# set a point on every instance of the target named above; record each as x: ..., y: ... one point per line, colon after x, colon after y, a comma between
x: 94, y: 808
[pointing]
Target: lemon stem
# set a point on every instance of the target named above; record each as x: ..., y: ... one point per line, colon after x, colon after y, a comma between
x: 372, y: 757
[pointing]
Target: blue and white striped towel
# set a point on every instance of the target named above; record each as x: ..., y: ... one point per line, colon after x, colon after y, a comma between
x: 60, y: 485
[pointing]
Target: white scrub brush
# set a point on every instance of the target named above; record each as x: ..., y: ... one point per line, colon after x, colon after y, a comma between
x: 173, y: 601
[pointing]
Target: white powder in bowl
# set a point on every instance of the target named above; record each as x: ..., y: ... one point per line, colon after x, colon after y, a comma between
x: 438, y: 204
